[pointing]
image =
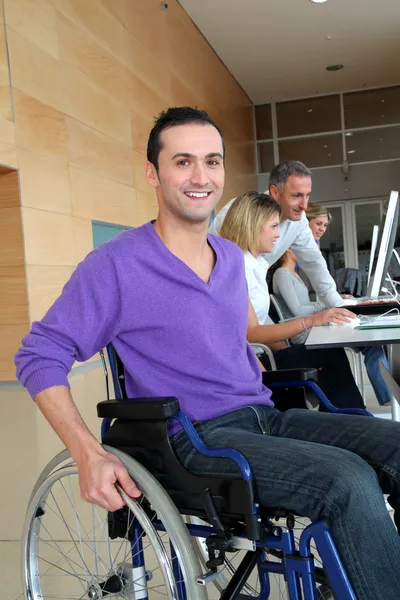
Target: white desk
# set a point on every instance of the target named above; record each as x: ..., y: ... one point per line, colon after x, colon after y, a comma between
x: 329, y: 336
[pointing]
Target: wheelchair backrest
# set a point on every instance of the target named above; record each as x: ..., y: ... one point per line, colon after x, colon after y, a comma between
x: 117, y: 372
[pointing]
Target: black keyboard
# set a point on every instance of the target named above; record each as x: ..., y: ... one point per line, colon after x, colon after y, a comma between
x: 373, y: 307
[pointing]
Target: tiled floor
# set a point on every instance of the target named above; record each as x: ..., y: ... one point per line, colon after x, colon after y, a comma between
x: 26, y: 445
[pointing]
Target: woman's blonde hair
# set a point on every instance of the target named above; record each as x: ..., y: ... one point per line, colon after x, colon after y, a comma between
x: 315, y: 210
x: 246, y: 217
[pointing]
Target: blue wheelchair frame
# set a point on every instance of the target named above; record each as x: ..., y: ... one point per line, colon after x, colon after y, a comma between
x: 298, y: 564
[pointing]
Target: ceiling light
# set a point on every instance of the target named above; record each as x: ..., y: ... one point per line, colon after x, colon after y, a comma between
x: 350, y: 151
x: 318, y: 1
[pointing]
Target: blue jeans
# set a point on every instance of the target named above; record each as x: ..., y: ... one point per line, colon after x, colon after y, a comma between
x: 372, y: 356
x: 323, y: 466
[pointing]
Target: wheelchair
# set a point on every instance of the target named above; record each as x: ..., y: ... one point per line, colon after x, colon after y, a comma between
x: 186, y: 537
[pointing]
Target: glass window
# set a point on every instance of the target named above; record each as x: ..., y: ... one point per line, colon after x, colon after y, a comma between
x: 319, y: 151
x: 373, y: 144
x: 312, y: 115
x: 103, y: 232
x: 265, y: 157
x: 332, y: 243
x: 366, y: 216
x: 263, y: 122
x: 372, y: 107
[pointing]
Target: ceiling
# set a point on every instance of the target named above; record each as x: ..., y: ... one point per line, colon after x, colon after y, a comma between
x: 278, y: 49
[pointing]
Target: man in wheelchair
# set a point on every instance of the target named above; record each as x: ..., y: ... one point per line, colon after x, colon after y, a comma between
x: 174, y: 303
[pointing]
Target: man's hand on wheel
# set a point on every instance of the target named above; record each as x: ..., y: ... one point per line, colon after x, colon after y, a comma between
x: 99, y: 471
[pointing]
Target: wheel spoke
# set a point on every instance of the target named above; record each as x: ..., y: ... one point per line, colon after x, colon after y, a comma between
x: 70, y: 553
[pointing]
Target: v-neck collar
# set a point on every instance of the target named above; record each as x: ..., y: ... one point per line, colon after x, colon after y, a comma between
x: 181, y: 263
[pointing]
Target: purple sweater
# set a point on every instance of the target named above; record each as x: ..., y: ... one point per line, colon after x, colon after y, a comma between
x: 175, y: 334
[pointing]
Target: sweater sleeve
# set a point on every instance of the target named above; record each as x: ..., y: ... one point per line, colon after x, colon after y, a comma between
x: 288, y: 288
x: 80, y: 323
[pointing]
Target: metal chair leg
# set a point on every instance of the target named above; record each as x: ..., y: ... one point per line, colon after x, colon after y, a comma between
x: 362, y: 382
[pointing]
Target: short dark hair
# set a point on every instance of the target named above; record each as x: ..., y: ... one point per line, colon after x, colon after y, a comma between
x: 173, y: 116
x: 281, y: 172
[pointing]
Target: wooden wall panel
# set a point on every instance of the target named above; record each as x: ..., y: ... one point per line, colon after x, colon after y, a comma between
x: 95, y: 152
x: 44, y: 182
x: 180, y: 95
x: 186, y: 58
x: 89, y: 104
x: 8, y: 155
x: 83, y: 238
x: 37, y: 73
x: 45, y: 285
x: 139, y: 176
x: 7, y: 132
x: 88, y: 78
x: 40, y: 127
x: 93, y: 18
x: 6, y: 110
x: 5, y: 96
x: 118, y: 8
x: 147, y: 23
x: 147, y: 207
x: 35, y: 20
x: 146, y: 66
x: 11, y: 237
x: 8, y: 196
x: 13, y: 291
x: 78, y: 49
x: 4, y: 71
x: 13, y: 334
x: 140, y: 134
x: 13, y: 305
x: 48, y: 237
x: 94, y: 197
x: 145, y: 102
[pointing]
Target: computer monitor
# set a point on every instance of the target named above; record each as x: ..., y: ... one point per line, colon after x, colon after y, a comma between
x: 374, y: 243
x: 385, y: 246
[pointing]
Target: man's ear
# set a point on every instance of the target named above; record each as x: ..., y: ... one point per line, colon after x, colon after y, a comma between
x: 274, y: 192
x: 151, y: 175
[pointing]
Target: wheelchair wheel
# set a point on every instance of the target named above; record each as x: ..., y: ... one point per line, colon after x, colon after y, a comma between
x: 72, y: 550
x: 252, y: 588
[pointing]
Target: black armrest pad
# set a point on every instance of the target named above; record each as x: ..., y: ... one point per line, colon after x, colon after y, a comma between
x: 289, y: 375
x: 139, y: 409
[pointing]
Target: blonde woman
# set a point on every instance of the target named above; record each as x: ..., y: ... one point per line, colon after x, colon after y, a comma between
x: 318, y: 219
x: 252, y: 223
